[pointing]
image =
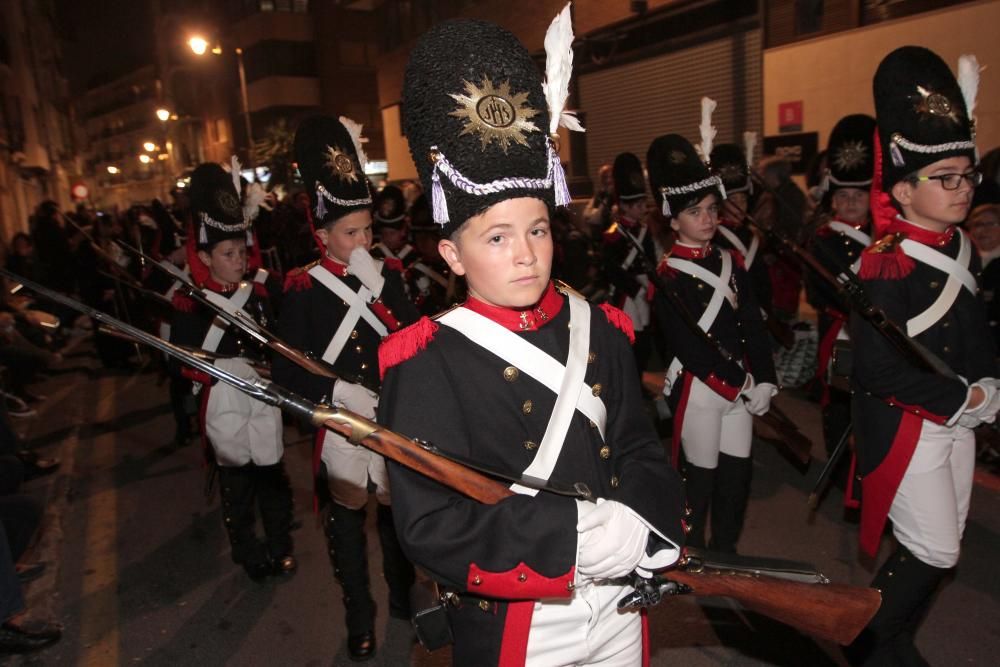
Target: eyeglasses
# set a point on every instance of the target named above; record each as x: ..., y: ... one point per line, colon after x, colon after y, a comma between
x: 953, y: 181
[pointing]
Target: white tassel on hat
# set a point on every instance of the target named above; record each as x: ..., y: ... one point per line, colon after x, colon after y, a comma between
x: 706, y: 129
x: 253, y: 199
x: 558, y: 71
x: 354, y: 129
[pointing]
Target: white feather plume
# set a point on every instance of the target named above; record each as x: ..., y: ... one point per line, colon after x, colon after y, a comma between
x: 558, y: 71
x: 706, y: 128
x: 354, y: 129
x: 968, y: 80
x: 234, y: 173
x: 255, y: 197
x: 749, y: 144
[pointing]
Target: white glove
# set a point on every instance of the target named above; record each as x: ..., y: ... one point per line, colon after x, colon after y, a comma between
x: 611, y: 541
x: 363, y: 266
x: 355, y: 398
x: 759, y: 398
x: 986, y: 411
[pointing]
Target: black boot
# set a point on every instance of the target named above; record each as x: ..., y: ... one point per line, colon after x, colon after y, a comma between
x: 237, y: 491
x: 729, y: 501
x: 698, y: 483
x: 345, y: 533
x: 274, y: 500
x: 398, y: 571
x: 907, y: 585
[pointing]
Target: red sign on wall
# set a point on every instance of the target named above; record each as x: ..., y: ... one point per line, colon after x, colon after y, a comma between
x: 790, y: 116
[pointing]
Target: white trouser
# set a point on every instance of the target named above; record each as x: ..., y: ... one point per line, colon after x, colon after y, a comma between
x: 242, y: 429
x: 348, y: 466
x: 587, y: 629
x: 929, y: 511
x: 712, y: 425
x: 637, y: 308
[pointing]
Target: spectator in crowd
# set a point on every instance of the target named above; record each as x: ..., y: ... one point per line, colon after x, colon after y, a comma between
x: 597, y: 214
x: 48, y: 234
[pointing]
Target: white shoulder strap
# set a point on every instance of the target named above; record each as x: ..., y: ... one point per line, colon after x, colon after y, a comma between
x: 630, y: 257
x: 235, y: 302
x: 357, y: 309
x: 566, y: 381
x: 958, y: 276
x: 856, y: 234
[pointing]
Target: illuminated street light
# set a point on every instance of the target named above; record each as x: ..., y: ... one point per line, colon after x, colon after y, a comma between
x: 145, y: 159
x: 112, y: 169
x: 149, y: 146
x: 163, y: 114
x: 163, y: 156
x: 198, y: 45
x: 217, y: 50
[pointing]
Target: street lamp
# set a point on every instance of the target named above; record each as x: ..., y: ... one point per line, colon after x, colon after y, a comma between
x: 149, y: 146
x: 112, y: 169
x: 163, y: 114
x: 198, y: 45
x: 145, y: 159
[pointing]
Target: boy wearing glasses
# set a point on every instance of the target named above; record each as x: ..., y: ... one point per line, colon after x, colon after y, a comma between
x: 915, y: 445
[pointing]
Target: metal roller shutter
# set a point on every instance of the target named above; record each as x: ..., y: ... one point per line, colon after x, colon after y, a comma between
x: 629, y: 105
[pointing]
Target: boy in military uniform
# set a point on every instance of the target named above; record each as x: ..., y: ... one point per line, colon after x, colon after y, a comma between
x: 524, y: 377
x: 339, y: 309
x: 915, y: 444
x: 392, y: 225
x: 713, y: 399
x: 245, y: 435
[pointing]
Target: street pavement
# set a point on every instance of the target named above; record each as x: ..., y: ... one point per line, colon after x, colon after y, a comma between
x: 139, y: 569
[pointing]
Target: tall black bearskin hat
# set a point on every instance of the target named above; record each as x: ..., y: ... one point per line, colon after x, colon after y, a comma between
x: 630, y: 183
x: 732, y: 165
x: 390, y: 208
x: 477, y: 121
x: 216, y: 209
x: 851, y: 153
x: 677, y: 175
x: 332, y: 165
x: 923, y: 113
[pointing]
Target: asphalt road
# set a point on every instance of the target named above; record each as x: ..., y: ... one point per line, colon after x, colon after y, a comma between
x: 139, y: 569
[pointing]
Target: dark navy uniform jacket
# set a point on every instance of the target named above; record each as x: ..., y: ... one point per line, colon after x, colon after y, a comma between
x: 892, y: 396
x: 442, y: 387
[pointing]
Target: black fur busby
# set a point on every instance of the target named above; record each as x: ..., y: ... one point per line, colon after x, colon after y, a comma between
x: 677, y: 175
x: 630, y: 184
x: 922, y: 112
x: 851, y: 153
x: 477, y: 122
x: 390, y: 208
x: 729, y: 163
x: 331, y: 164
x: 421, y: 216
x: 216, y: 209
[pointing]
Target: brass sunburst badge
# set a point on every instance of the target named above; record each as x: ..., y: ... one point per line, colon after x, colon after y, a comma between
x: 495, y: 114
x: 341, y: 164
x: 850, y: 155
x: 936, y: 104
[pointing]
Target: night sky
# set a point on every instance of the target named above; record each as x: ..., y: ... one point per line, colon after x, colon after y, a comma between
x: 103, y: 39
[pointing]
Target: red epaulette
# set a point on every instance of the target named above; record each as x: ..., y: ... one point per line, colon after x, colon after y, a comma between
x: 260, y: 289
x: 405, y: 344
x: 611, y: 234
x: 298, y: 280
x: 664, y: 269
x: 825, y: 231
x: 885, y: 260
x: 393, y: 264
x: 738, y: 259
x: 620, y: 319
x: 183, y: 303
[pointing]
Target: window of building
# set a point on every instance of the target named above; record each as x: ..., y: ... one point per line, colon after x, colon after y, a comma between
x: 280, y: 58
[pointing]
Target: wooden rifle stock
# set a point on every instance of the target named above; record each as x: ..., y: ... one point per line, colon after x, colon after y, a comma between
x: 834, y: 612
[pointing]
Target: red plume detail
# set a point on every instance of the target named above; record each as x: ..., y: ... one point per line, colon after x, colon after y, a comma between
x: 620, y: 319
x: 405, y: 343
x: 393, y: 264
x: 199, y: 272
x: 183, y: 303
x: 298, y: 280
x: 883, y: 212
